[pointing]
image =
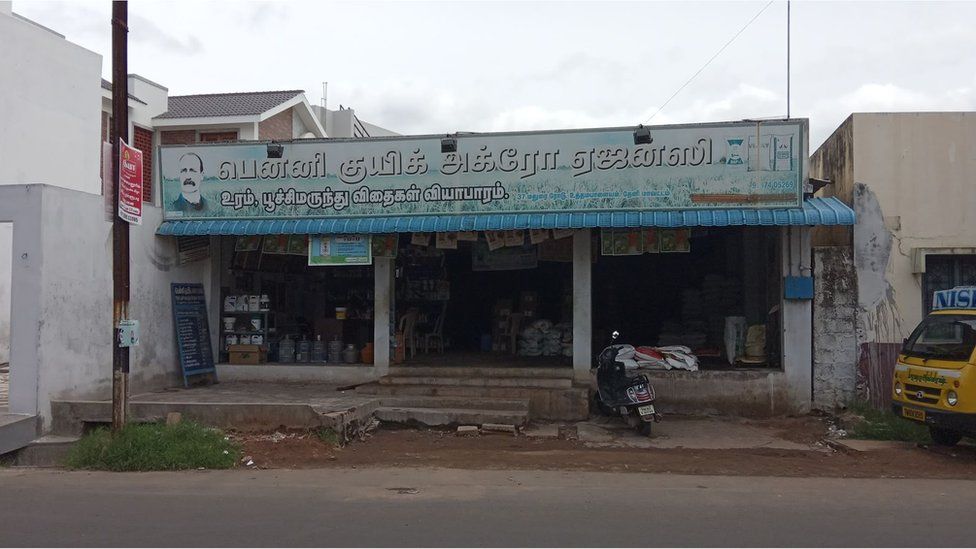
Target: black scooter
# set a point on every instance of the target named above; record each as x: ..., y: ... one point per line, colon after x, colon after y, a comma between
x: 618, y: 394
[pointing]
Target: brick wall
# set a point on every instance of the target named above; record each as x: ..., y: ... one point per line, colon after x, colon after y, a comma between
x: 178, y: 137
x: 278, y: 126
x: 144, y: 142
x: 216, y: 137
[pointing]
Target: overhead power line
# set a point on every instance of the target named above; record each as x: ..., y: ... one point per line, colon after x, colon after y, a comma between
x: 707, y: 63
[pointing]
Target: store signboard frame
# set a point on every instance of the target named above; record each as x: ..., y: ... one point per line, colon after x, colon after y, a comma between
x: 750, y: 164
x: 339, y: 250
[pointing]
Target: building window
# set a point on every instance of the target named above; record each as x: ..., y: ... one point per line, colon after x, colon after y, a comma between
x: 944, y: 272
x: 212, y: 137
x: 144, y: 142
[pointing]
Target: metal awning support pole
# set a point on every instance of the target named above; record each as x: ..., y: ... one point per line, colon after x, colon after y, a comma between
x: 120, y: 227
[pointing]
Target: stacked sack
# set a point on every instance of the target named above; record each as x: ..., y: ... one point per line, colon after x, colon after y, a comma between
x: 543, y: 338
x: 566, y: 342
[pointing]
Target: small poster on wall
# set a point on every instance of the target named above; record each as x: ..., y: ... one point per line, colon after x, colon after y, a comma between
x: 247, y: 244
x: 621, y: 242
x: 514, y: 237
x: 275, y: 244
x: 337, y: 250
x: 297, y: 244
x: 505, y: 259
x: 561, y: 233
x: 385, y: 245
x: 447, y: 241
x: 651, y: 244
x: 538, y: 235
x: 420, y: 239
x: 675, y: 240
x: 496, y: 239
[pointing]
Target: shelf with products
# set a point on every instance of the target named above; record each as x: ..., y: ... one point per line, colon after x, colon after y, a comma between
x: 245, y: 319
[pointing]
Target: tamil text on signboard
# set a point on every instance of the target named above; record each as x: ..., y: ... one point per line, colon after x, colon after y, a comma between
x: 743, y: 164
x: 192, y: 330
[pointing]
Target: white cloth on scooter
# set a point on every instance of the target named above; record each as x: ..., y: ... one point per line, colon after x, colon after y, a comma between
x: 625, y: 356
x: 666, y: 358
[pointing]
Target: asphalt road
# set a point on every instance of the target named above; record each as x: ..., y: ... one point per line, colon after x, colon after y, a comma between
x: 424, y: 507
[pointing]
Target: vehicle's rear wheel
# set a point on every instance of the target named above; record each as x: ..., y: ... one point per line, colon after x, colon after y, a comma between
x: 944, y: 437
x: 644, y: 428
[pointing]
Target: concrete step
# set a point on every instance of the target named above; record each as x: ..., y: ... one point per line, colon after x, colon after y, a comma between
x: 544, y: 403
x: 463, y: 371
x: 454, y: 402
x: 16, y: 431
x: 434, y: 417
x: 47, y: 451
x: 542, y: 383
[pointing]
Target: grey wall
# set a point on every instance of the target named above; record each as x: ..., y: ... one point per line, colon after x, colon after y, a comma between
x: 834, y: 340
x: 6, y: 252
x: 61, y: 329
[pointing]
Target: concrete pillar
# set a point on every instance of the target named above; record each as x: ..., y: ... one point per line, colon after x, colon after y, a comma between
x: 797, y: 323
x: 21, y: 205
x: 582, y: 305
x: 382, y: 308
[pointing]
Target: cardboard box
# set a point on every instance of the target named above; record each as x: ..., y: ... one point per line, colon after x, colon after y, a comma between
x: 247, y: 354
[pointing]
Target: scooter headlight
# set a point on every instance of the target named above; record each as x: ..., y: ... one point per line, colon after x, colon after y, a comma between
x: 898, y: 388
x: 952, y: 398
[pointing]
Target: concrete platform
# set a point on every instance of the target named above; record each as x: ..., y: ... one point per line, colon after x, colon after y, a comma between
x: 234, y: 405
x: 693, y: 433
x: 872, y: 445
x: 16, y: 431
x: 257, y: 406
x: 47, y: 451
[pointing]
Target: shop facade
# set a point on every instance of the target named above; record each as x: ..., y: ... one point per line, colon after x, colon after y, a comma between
x: 513, y: 250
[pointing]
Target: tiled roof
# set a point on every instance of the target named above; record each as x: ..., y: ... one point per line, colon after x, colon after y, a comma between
x: 106, y: 85
x: 225, y: 104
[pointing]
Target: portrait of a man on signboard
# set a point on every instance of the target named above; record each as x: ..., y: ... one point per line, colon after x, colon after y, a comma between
x: 191, y: 177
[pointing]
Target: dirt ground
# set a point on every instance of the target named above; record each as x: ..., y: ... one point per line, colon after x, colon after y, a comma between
x: 391, y: 446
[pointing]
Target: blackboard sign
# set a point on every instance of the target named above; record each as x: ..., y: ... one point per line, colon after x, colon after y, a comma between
x: 192, y: 330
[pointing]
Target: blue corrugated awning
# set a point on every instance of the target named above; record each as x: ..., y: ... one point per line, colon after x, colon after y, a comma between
x: 815, y: 211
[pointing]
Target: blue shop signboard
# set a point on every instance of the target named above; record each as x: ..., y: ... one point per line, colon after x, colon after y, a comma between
x: 192, y: 330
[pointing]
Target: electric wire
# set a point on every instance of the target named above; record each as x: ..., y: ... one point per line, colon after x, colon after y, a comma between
x: 707, y: 63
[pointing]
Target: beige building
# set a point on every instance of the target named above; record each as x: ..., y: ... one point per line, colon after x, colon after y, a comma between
x: 911, y: 179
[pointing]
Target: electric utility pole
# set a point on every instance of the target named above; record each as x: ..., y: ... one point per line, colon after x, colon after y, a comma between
x: 120, y: 227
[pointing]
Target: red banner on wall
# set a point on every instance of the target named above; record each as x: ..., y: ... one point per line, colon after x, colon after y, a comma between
x: 130, y: 183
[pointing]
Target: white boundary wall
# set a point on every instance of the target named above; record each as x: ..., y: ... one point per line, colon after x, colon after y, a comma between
x: 61, y: 329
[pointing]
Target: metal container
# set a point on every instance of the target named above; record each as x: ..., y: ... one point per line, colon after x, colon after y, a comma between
x: 286, y: 350
x: 318, y: 350
x: 303, y: 351
x: 335, y: 351
x: 350, y: 355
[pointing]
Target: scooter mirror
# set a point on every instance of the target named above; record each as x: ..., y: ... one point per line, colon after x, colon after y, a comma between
x: 615, y: 335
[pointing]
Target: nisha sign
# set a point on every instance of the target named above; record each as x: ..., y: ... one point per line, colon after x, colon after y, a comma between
x: 130, y: 183
x: 701, y: 166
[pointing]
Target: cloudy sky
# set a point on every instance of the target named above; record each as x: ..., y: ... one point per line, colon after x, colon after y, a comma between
x: 437, y: 67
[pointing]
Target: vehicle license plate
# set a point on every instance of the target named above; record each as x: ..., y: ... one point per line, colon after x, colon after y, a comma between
x: 646, y: 410
x: 912, y: 413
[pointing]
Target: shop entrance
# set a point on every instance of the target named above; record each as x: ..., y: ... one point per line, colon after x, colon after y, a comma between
x: 711, y: 290
x: 275, y: 308
x: 463, y: 304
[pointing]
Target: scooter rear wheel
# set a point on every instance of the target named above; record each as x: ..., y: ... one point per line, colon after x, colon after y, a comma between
x: 644, y: 429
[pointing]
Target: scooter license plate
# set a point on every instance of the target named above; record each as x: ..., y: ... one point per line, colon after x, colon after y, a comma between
x: 646, y: 410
